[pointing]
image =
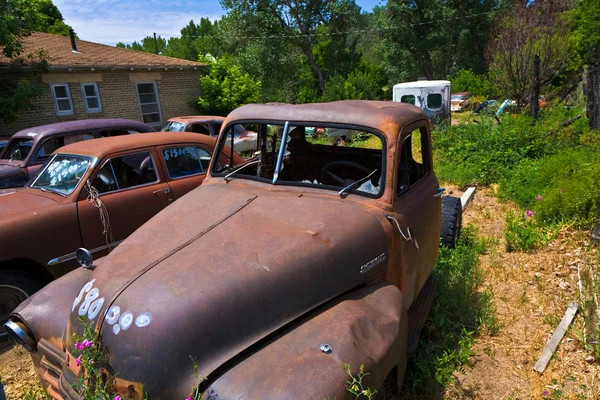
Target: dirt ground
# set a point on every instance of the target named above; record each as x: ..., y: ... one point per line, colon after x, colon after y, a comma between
x: 532, y: 292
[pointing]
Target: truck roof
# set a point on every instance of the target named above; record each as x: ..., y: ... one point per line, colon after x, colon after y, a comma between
x: 421, y: 84
x: 380, y: 115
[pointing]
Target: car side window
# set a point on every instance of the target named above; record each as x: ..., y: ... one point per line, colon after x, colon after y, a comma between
x: 413, y: 164
x: 198, y: 128
x: 50, y: 145
x: 185, y: 161
x: 126, y: 172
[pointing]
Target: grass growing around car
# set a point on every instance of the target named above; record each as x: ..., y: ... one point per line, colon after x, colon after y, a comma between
x: 463, y: 309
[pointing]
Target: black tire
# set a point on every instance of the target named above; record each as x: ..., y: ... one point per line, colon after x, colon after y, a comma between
x: 451, y: 221
x: 15, y: 287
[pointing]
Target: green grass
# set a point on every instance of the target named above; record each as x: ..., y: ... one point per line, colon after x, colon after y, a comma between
x: 464, y: 309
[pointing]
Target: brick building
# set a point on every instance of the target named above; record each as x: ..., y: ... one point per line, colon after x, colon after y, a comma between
x: 91, y: 80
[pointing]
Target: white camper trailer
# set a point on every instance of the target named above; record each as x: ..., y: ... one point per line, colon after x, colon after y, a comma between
x: 431, y: 96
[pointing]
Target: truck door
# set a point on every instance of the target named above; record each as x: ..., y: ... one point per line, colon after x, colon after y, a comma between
x: 417, y: 208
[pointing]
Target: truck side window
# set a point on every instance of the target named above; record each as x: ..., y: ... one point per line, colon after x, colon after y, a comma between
x: 434, y: 101
x: 413, y: 165
x: 408, y: 98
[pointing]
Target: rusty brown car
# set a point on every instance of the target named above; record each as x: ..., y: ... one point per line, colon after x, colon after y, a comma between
x: 28, y: 149
x: 133, y: 177
x: 243, y: 141
x: 271, y: 275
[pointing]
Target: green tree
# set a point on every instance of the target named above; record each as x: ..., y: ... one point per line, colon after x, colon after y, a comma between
x: 299, y: 22
x: 18, y: 18
x: 147, y: 45
x: 225, y: 88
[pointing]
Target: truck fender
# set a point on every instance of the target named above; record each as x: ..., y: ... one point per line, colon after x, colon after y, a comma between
x: 367, y: 326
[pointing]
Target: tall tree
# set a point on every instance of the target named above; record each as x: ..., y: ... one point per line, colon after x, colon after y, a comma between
x: 147, y: 45
x: 522, y: 33
x: 299, y: 20
x: 18, y: 18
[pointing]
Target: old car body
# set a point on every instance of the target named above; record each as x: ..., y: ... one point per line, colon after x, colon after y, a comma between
x: 243, y: 141
x: 28, y: 149
x: 3, y: 145
x: 133, y: 178
x: 458, y: 101
x: 313, y: 256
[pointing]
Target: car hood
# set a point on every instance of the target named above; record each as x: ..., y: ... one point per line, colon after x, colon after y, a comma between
x: 12, y: 176
x: 218, y: 271
x: 17, y: 201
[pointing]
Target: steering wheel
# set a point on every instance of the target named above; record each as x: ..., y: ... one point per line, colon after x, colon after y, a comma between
x: 342, y: 181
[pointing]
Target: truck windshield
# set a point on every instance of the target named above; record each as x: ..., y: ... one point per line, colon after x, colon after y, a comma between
x: 17, y: 149
x: 173, y: 126
x: 62, y: 174
x: 326, y: 157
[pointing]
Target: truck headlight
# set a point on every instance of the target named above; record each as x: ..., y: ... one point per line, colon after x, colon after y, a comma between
x: 21, y: 334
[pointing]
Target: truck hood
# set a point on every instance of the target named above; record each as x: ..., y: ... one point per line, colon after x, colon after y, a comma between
x: 216, y: 272
x: 12, y: 176
x: 16, y: 201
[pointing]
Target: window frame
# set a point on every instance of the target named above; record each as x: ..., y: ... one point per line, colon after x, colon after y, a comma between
x: 183, y: 146
x: 137, y: 88
x: 69, y: 97
x: 86, y: 97
x: 222, y: 141
x: 441, y: 101
x: 91, y: 164
x: 407, y: 132
x: 95, y: 175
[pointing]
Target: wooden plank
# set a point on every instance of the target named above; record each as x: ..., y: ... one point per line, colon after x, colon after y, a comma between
x: 542, y: 362
x: 467, y: 197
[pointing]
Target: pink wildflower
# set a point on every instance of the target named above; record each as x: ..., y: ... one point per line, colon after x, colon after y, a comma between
x: 529, y: 213
x: 189, y: 398
x: 89, y: 343
x: 562, y: 190
x: 117, y: 397
x: 539, y: 198
x: 78, y: 361
x: 84, y: 344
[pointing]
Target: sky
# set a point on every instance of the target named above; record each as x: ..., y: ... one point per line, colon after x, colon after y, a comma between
x: 112, y: 21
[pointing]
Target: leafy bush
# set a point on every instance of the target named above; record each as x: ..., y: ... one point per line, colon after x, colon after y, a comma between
x: 225, y: 88
x: 566, y: 184
x: 462, y: 310
x: 466, y: 80
x: 522, y: 233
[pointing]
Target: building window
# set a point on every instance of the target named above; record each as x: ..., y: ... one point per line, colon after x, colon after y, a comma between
x: 148, y: 96
x: 91, y: 96
x: 62, y: 99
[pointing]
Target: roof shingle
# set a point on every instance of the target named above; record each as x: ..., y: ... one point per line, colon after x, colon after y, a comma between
x: 94, y: 55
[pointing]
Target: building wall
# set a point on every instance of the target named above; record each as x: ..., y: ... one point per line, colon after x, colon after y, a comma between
x: 118, y: 96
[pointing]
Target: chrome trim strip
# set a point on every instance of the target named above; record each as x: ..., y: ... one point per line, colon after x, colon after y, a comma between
x: 71, y: 256
x: 282, y: 148
x: 20, y: 336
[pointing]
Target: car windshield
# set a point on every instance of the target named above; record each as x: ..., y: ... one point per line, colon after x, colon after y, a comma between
x: 62, y: 174
x: 17, y: 149
x: 174, y: 126
x: 326, y: 157
x: 457, y: 97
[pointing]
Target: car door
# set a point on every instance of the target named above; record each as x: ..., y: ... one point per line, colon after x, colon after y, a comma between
x: 185, y: 166
x: 417, y: 207
x: 131, y: 189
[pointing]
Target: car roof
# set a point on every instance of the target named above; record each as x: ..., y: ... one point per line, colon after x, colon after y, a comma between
x: 74, y: 126
x: 421, y: 84
x: 103, y: 146
x: 461, y: 94
x: 385, y: 116
x: 187, y: 119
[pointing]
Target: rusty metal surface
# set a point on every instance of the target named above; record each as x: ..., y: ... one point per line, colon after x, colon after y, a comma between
x: 364, y: 327
x: 9, y: 169
x: 249, y: 279
x: 56, y: 224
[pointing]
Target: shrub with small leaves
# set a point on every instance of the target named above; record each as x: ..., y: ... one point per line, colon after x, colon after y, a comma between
x: 522, y: 233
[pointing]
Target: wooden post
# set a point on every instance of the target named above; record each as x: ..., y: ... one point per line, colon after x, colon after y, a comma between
x: 542, y: 362
x: 535, y: 92
x: 593, y: 89
x: 155, y: 44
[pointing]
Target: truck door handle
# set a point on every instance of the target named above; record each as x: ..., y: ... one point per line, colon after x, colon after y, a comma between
x: 409, y: 236
x: 165, y: 191
x: 439, y: 192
